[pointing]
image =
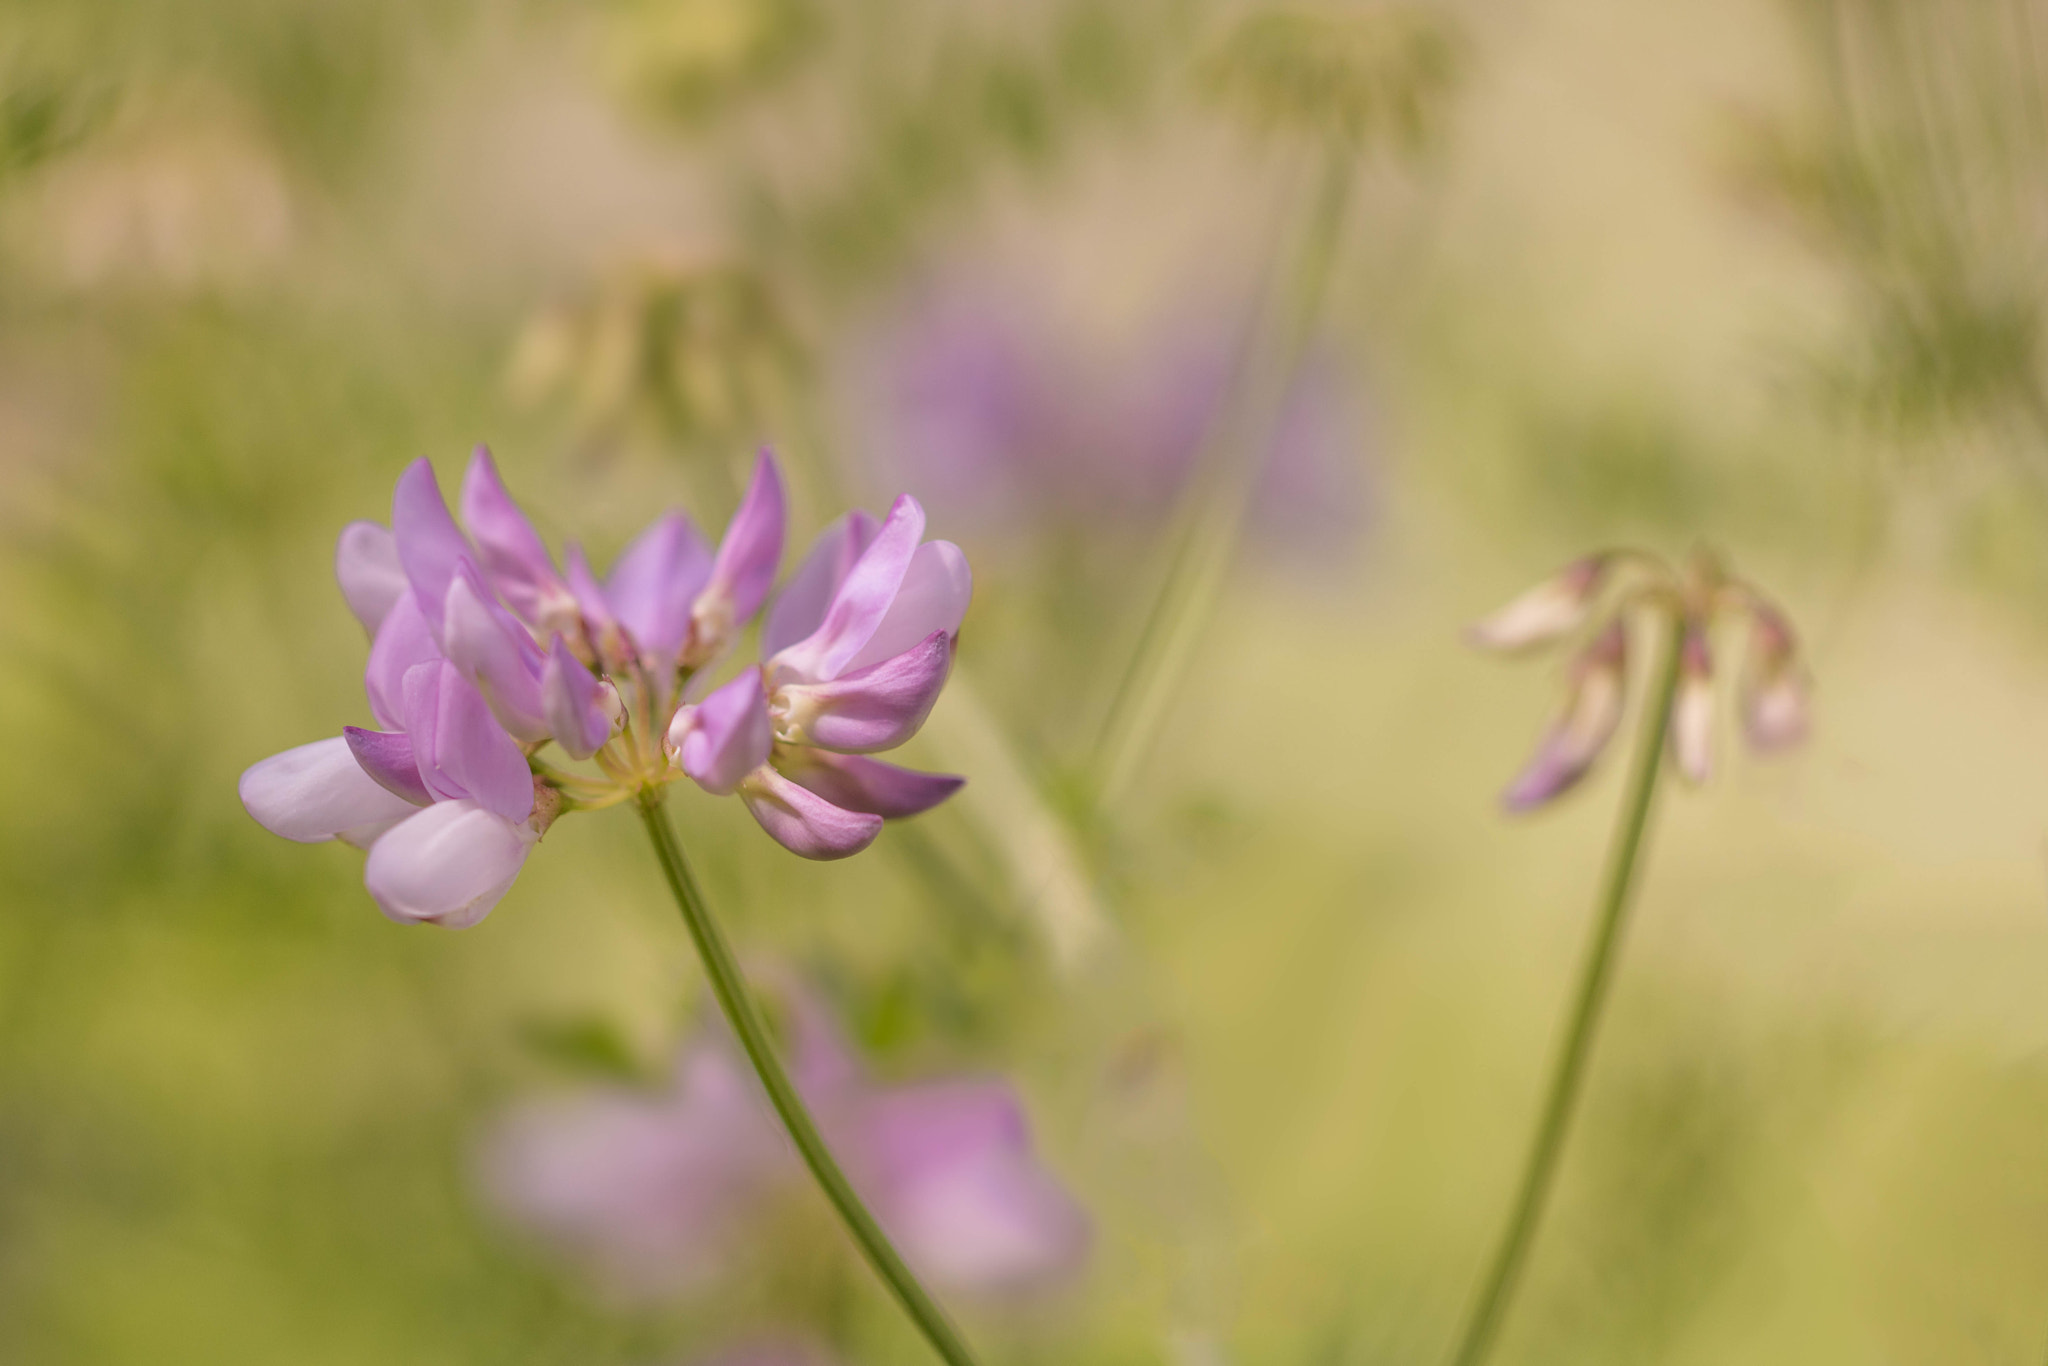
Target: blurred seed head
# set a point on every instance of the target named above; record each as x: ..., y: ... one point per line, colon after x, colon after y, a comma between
x: 691, y: 60
x: 689, y: 348
x: 1352, y: 76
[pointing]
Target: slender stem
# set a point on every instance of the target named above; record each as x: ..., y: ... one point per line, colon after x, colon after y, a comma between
x: 731, y: 989
x: 1491, y: 1307
x: 1212, y: 511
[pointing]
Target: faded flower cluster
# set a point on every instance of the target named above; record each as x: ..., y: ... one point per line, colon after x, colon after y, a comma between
x: 1772, y: 696
x: 484, y: 654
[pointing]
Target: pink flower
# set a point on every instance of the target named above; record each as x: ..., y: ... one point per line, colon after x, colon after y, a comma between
x: 483, y: 654
x: 858, y: 647
x: 652, y: 1190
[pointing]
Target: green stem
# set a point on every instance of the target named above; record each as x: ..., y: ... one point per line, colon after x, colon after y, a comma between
x: 731, y: 989
x: 1492, y: 1304
x: 1210, y: 519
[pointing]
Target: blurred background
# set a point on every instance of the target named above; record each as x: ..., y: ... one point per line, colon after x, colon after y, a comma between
x: 1249, y: 353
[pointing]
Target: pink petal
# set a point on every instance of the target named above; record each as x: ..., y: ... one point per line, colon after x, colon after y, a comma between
x: 388, y: 758
x: 752, y: 547
x: 1592, y: 710
x: 462, y: 750
x: 318, y: 792
x: 860, y: 604
x: 958, y: 1187
x: 857, y: 783
x: 800, y: 609
x: 430, y: 545
x: 403, y: 640
x: 1692, y: 710
x: 654, y: 582
x: 876, y: 708
x: 366, y: 565
x: 511, y: 551
x: 803, y: 822
x: 722, y: 739
x: 574, y: 701
x: 648, y: 1188
x: 615, y: 649
x: 448, y: 864
x: 934, y: 597
x: 1776, y: 711
x: 494, y: 651
x: 1550, y: 611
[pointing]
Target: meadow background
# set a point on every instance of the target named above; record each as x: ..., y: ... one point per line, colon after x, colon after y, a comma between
x: 1281, y: 989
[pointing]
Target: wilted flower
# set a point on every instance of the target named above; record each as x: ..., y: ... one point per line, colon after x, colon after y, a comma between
x: 1772, y: 696
x: 483, y: 653
x: 651, y: 1190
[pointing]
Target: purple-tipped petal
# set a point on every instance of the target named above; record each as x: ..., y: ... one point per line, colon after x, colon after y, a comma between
x: 958, y: 1187
x: 574, y: 702
x: 860, y: 604
x: 856, y: 783
x: 461, y: 749
x: 804, y: 823
x: 654, y: 582
x: 1776, y: 712
x: 934, y: 597
x: 1591, y: 713
x: 494, y: 652
x: 752, y: 547
x: 447, y: 865
x: 510, y: 550
x: 319, y: 792
x: 1692, y: 710
x: 430, y: 545
x: 366, y: 565
x: 800, y: 609
x: 722, y: 739
x: 388, y: 758
x: 874, y: 709
x: 402, y: 642
x: 1550, y: 611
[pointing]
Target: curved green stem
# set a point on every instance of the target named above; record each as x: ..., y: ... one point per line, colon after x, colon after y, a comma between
x: 731, y: 990
x: 1490, y: 1308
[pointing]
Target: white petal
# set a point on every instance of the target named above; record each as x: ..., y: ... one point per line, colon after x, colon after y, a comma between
x: 934, y: 596
x: 448, y: 864
x: 318, y: 792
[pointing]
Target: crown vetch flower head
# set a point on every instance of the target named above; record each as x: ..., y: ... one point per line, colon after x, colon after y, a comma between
x: 1576, y: 601
x: 483, y: 653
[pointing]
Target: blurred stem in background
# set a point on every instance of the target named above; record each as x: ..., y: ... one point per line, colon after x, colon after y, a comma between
x: 1210, y: 518
x: 730, y: 987
x: 1496, y: 1294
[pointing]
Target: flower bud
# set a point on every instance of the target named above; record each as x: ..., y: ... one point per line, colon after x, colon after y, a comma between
x: 1692, y: 710
x: 1548, y: 612
x: 1775, y: 712
x: 1592, y: 710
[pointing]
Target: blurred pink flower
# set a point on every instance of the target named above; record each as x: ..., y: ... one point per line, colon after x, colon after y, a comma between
x: 969, y: 395
x: 650, y: 1190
